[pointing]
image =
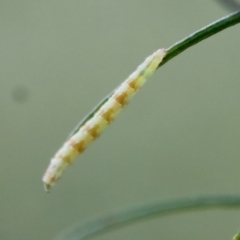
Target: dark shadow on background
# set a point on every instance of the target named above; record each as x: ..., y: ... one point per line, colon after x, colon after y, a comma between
x: 230, y: 4
x: 20, y: 93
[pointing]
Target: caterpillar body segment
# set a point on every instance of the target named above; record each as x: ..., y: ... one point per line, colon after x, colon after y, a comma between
x: 93, y: 127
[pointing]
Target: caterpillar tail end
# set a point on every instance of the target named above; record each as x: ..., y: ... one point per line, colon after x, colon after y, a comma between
x: 46, y: 183
x: 47, y: 187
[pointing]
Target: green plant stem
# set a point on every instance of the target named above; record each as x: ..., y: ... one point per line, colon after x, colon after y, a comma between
x: 133, y: 214
x: 200, y: 35
x: 177, y: 48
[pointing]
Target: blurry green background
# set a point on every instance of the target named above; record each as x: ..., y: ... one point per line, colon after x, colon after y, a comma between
x: 179, y: 136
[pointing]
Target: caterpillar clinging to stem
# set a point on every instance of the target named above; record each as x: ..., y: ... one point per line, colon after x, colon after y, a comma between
x: 93, y: 127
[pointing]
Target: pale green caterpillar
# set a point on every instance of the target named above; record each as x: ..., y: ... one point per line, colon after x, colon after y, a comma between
x: 92, y: 128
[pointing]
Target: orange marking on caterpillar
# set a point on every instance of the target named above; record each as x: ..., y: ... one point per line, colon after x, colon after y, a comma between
x: 80, y: 147
x: 122, y: 98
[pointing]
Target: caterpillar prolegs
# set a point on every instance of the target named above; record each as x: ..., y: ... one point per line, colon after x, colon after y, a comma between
x: 92, y: 128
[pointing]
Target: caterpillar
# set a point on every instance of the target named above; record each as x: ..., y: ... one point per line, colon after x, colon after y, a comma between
x: 93, y: 127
